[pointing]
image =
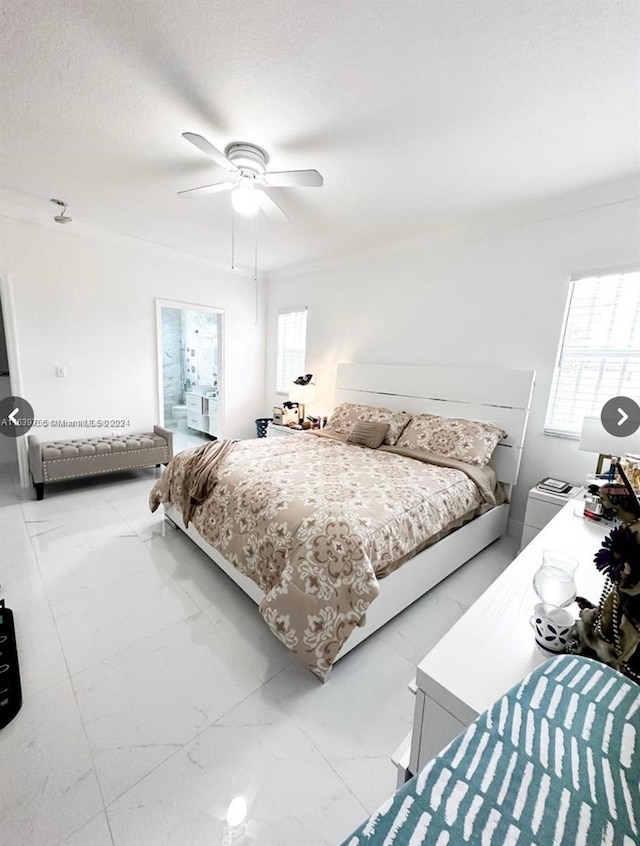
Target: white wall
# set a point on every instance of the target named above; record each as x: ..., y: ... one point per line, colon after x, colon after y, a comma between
x: 489, y: 300
x: 87, y: 301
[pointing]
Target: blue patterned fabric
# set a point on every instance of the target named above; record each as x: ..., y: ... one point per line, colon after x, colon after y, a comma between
x: 555, y: 762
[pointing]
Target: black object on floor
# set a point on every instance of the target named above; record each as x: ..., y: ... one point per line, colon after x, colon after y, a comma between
x: 10, y: 690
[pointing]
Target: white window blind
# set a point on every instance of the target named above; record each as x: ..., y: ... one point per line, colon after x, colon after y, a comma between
x: 291, y: 347
x: 599, y: 355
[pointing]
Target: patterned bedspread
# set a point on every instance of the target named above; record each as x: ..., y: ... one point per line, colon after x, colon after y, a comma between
x: 315, y: 522
x: 555, y: 762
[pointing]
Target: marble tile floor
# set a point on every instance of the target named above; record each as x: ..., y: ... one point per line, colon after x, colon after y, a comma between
x: 154, y: 694
x: 186, y: 438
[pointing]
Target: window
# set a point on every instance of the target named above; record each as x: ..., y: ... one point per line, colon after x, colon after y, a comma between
x: 599, y: 355
x: 291, y: 347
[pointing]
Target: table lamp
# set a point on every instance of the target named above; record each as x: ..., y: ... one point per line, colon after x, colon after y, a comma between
x: 595, y: 438
x: 302, y: 393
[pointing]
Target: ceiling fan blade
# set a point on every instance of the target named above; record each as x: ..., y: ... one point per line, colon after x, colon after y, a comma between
x: 270, y: 207
x: 294, y: 178
x: 209, y: 150
x: 207, y: 189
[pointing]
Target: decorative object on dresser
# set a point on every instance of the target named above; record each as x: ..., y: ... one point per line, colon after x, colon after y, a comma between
x: 617, y: 502
x: 491, y: 647
x: 58, y: 461
x: 631, y: 467
x: 610, y: 631
x: 552, y: 626
x: 299, y: 477
x: 542, y: 505
x: 611, y: 495
x: 554, y: 581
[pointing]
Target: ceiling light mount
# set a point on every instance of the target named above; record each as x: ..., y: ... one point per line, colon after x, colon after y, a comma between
x: 61, y: 217
x: 249, y: 159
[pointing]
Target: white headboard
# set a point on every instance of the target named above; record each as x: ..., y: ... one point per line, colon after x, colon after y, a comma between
x: 495, y: 396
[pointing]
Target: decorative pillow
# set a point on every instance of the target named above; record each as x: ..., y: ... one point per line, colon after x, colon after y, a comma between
x: 466, y: 440
x: 368, y: 434
x: 347, y: 414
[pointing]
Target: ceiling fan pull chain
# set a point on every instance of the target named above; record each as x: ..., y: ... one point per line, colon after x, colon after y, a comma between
x: 255, y: 269
x: 233, y: 242
x: 255, y: 254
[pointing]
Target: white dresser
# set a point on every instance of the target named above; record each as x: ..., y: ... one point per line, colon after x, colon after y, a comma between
x: 491, y: 647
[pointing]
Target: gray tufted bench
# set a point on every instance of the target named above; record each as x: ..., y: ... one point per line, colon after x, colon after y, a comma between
x: 59, y: 460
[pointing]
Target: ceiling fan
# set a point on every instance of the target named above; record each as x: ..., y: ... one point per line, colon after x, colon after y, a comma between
x: 248, y: 177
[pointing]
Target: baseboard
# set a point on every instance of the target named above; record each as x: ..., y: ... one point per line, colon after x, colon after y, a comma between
x: 514, y: 529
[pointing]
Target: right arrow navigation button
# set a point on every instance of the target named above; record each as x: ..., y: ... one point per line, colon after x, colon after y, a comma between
x: 620, y: 416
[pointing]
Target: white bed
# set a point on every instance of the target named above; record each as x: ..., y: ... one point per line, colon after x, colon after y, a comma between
x: 497, y: 396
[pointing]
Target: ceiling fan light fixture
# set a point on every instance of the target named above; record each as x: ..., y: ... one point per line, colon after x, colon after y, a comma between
x: 244, y: 199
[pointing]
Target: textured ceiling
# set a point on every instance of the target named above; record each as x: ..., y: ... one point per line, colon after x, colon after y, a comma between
x: 418, y: 113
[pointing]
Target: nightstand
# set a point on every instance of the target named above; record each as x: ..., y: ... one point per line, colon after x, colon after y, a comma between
x: 541, y: 507
x: 274, y: 431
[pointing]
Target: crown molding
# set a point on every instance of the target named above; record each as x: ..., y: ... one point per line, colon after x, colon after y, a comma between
x: 26, y: 208
x: 620, y: 191
x: 16, y: 205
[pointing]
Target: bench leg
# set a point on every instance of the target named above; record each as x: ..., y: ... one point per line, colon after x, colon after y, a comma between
x: 39, y: 486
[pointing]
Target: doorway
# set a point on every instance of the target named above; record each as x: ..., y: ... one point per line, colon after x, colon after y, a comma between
x: 190, y: 371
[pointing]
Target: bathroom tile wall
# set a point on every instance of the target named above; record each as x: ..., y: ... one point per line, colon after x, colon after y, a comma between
x: 171, y: 323
x: 200, y: 333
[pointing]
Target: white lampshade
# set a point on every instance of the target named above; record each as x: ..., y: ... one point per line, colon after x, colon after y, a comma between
x: 595, y: 438
x: 303, y: 394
